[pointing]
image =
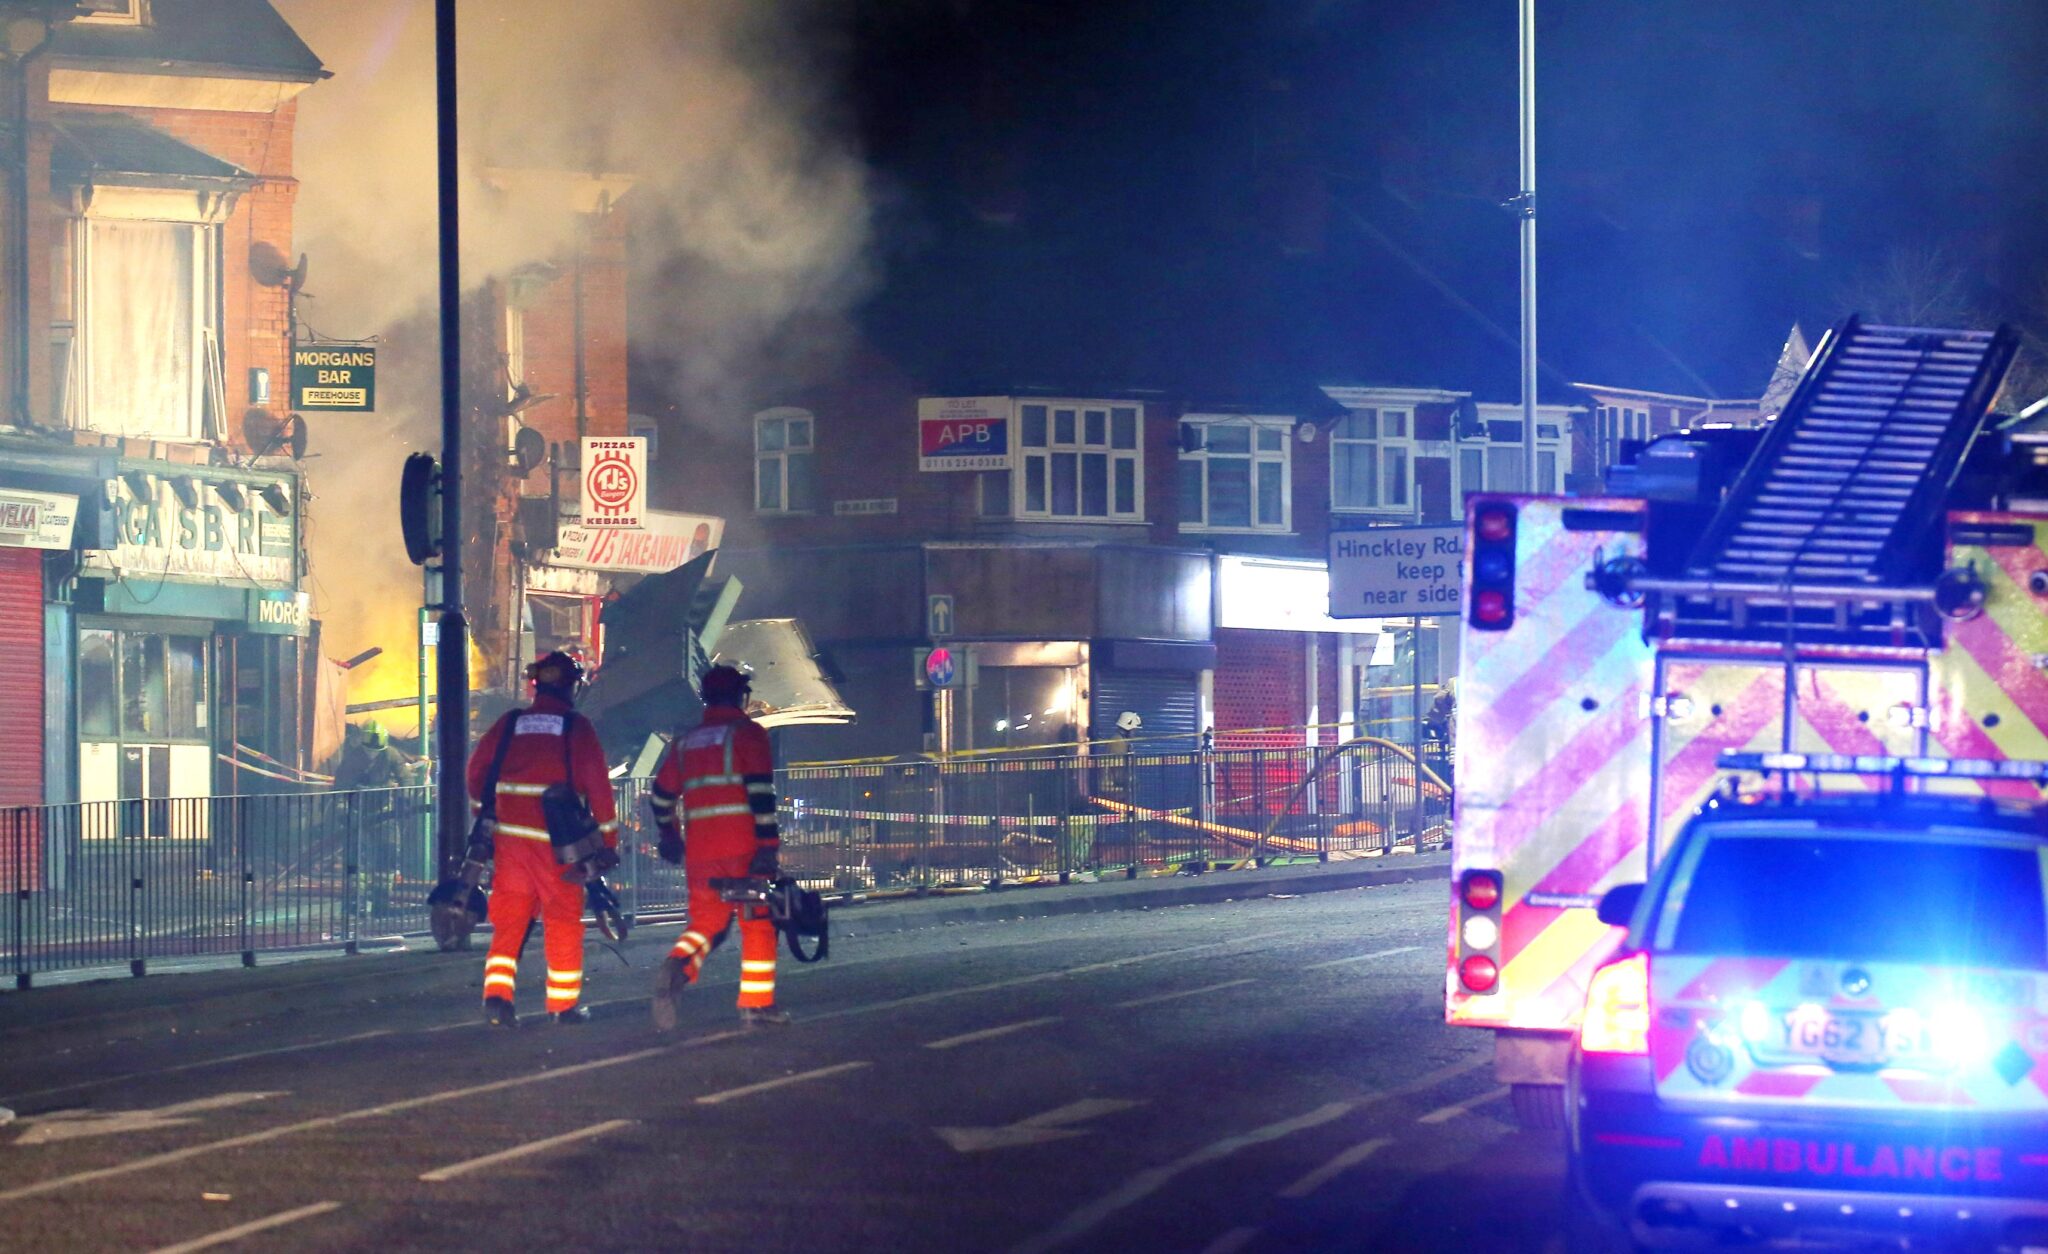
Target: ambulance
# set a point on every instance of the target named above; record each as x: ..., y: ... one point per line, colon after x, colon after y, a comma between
x: 1863, y: 577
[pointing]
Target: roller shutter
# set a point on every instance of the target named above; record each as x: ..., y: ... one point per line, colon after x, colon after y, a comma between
x: 1170, y: 704
x: 21, y: 698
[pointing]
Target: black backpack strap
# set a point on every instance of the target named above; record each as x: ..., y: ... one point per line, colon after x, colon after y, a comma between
x: 489, y: 800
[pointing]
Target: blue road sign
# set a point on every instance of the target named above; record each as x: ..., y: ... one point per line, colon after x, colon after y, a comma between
x: 938, y: 668
x: 938, y: 616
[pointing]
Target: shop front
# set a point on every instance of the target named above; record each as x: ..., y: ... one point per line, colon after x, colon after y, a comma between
x: 191, y: 638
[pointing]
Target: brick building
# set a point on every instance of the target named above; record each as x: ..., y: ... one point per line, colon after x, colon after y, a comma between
x: 152, y: 553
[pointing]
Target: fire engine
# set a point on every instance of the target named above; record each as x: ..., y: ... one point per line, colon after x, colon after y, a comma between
x: 1865, y: 574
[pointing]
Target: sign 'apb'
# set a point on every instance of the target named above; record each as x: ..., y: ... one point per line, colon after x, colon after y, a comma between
x: 614, y: 481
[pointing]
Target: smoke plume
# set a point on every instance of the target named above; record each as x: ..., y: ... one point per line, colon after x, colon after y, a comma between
x: 755, y: 207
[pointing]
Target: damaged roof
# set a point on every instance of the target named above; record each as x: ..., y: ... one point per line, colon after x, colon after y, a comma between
x: 91, y: 147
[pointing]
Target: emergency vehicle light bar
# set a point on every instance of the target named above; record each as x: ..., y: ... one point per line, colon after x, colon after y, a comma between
x: 1880, y: 764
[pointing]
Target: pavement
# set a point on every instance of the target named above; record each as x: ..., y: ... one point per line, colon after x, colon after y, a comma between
x: 1269, y: 1072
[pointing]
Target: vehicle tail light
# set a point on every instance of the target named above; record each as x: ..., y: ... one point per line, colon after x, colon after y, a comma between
x: 1478, y: 911
x: 1618, y: 1008
x: 1493, y: 566
x: 1479, y: 973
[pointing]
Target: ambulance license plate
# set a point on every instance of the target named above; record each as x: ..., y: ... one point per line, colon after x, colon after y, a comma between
x: 1846, y: 1039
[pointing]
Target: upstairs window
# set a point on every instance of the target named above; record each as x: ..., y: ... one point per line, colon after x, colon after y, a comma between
x: 113, y: 12
x: 1236, y: 476
x: 1080, y: 462
x: 135, y: 348
x: 785, y: 475
x: 1372, y: 461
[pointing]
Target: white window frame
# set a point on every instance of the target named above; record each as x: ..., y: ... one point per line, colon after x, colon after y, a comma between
x: 205, y: 334
x: 1256, y: 457
x: 1557, y: 445
x: 132, y: 13
x: 780, y: 458
x: 1385, y: 448
x: 1078, y: 447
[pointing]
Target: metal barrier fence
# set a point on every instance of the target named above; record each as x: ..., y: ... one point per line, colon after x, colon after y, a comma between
x: 977, y: 820
x: 106, y: 883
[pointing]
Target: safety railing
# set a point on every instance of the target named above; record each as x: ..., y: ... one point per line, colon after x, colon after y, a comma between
x: 921, y: 824
x: 110, y: 883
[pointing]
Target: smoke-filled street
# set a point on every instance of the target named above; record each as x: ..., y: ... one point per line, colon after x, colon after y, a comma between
x: 1263, y: 1075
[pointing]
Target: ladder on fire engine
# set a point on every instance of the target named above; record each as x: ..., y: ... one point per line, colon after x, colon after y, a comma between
x: 1846, y: 488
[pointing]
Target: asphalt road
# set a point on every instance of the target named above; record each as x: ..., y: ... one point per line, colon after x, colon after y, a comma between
x: 1255, y: 1076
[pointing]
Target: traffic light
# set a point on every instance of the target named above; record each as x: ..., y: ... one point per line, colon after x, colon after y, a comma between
x: 419, y: 512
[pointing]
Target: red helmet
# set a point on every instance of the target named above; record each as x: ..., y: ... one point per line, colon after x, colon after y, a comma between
x: 725, y: 685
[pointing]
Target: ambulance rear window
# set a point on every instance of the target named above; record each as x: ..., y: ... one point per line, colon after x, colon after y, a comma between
x: 1811, y: 895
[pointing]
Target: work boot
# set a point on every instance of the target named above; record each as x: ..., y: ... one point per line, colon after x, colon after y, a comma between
x: 498, y: 1013
x: 669, y: 982
x: 763, y: 1017
x: 572, y: 1016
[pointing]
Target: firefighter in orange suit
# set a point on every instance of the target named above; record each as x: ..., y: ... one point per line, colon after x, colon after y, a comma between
x: 714, y: 796
x: 550, y: 743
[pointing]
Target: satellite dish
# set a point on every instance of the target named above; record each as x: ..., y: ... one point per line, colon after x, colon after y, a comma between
x: 260, y: 431
x: 295, y: 436
x: 529, y: 450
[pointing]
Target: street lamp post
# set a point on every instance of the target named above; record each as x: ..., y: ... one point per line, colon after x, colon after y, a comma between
x: 452, y: 653
x: 1525, y: 204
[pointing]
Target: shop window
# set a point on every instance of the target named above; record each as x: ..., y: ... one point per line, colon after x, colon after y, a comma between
x: 141, y: 686
x: 785, y: 474
x: 1372, y: 461
x: 135, y: 355
x: 1235, y: 475
x: 1080, y: 462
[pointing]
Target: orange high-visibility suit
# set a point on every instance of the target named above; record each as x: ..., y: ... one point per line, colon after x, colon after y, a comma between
x: 526, y: 880
x: 722, y: 779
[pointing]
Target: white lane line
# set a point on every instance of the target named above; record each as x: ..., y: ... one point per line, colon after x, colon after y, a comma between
x: 989, y: 1034
x: 713, y: 1099
x: 102, y: 1081
x: 1156, y: 998
x: 1339, y: 962
x: 1232, y: 1241
x: 328, y: 1121
x: 251, y: 1228
x: 1336, y: 1167
x: 1444, y: 1114
x: 169, y: 1157
x: 521, y: 1151
x: 1150, y: 1181
x: 919, y: 999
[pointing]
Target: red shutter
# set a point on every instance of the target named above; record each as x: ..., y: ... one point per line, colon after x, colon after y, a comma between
x: 21, y: 702
x: 1260, y: 677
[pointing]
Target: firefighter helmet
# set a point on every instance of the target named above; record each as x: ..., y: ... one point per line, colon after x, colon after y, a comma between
x: 725, y: 685
x: 558, y: 673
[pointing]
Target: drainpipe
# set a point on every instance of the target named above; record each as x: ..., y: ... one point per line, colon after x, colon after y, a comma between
x: 18, y: 29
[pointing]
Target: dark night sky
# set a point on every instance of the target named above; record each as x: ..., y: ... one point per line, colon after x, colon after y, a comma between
x: 1232, y: 197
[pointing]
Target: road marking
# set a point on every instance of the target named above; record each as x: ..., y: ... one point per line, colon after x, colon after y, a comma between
x: 713, y: 1099
x: 1151, y: 1180
x: 1336, y: 1167
x: 328, y: 1121
x: 103, y: 1081
x: 521, y: 1151
x: 1037, y: 1129
x: 1232, y: 1241
x: 1339, y: 962
x: 940, y: 994
x: 986, y: 1034
x: 1444, y: 1114
x: 251, y: 1228
x: 1156, y: 998
x: 76, y: 1125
